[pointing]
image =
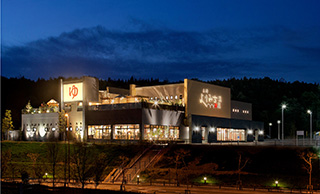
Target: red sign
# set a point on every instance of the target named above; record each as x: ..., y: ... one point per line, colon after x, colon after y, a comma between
x: 73, y: 91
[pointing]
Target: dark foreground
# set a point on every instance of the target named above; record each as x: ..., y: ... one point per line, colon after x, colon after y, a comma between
x: 19, y: 188
x: 9, y: 187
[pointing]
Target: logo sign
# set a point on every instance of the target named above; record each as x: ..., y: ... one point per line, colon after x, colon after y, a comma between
x: 72, y: 92
x: 209, y: 100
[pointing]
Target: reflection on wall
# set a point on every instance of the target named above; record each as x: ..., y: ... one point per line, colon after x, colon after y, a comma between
x: 161, y: 132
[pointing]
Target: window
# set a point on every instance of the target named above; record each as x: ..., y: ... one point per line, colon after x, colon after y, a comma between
x: 79, y: 106
x: 226, y: 134
x: 67, y: 107
x: 130, y: 132
x: 99, y: 131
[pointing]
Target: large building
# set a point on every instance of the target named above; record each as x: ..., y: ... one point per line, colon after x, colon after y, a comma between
x: 192, y: 111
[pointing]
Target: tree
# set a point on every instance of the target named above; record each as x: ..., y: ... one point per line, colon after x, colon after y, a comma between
x: 53, y: 150
x: 33, y: 157
x: 38, y: 170
x: 124, y: 160
x: 178, y: 158
x: 99, y: 165
x: 241, y: 165
x: 7, y: 123
x: 5, y: 160
x: 82, y: 159
x: 307, y: 157
x: 29, y: 107
x: 62, y: 121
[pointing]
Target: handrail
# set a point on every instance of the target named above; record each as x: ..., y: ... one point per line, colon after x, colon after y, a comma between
x: 132, y: 163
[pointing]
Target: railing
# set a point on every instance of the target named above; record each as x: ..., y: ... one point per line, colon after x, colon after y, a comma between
x: 136, y: 105
x: 40, y: 110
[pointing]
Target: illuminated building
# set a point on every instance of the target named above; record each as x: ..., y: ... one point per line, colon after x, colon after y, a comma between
x: 192, y: 111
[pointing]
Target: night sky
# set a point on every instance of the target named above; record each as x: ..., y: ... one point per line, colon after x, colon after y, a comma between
x: 165, y: 39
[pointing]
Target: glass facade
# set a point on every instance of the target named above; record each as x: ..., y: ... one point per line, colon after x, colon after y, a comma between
x: 161, y: 132
x: 226, y: 134
x: 128, y: 131
x: 99, y: 132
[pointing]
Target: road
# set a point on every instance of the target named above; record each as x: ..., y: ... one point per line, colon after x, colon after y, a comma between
x: 193, y: 190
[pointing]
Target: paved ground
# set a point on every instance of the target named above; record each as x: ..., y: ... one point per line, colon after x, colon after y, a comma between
x: 158, y: 189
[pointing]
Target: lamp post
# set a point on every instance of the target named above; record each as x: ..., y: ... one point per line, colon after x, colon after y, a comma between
x: 283, y: 107
x: 66, y: 149
x: 276, y: 182
x: 205, y: 180
x: 270, y: 125
x: 138, y: 179
x: 310, y: 113
x: 278, y: 129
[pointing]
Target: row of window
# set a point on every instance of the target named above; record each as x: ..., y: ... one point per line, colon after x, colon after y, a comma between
x: 38, y: 124
x: 235, y: 110
x: 168, y: 97
x: 132, y: 132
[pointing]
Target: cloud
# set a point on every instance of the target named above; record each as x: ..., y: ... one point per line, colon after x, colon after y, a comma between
x: 165, y: 54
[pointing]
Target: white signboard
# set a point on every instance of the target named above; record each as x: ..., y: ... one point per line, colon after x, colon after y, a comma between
x: 300, y: 132
x: 72, y: 92
x: 210, y: 100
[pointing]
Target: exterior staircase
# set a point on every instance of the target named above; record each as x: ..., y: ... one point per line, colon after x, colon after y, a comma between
x: 147, y: 159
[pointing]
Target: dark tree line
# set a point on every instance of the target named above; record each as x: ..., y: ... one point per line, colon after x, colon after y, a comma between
x: 265, y: 94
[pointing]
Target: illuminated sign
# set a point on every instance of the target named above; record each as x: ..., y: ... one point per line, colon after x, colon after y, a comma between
x: 210, y: 101
x: 72, y: 92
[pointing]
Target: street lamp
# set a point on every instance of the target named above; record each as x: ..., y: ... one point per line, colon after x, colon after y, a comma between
x: 278, y: 129
x: 283, y: 107
x: 205, y: 180
x: 138, y: 179
x: 46, y: 175
x: 276, y: 182
x: 270, y: 125
x: 310, y: 113
x: 66, y: 150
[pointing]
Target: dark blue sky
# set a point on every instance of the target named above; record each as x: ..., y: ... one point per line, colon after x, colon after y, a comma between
x: 161, y: 39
